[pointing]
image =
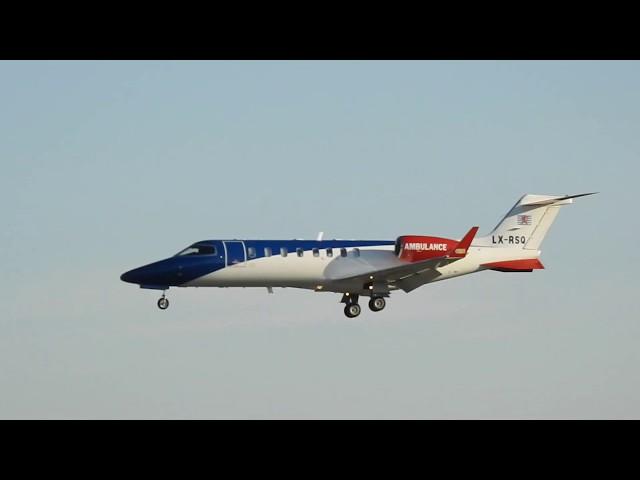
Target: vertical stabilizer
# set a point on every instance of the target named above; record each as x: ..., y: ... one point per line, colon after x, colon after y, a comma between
x: 528, y: 221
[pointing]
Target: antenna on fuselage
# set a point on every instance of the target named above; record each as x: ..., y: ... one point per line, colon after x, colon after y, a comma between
x: 320, y: 235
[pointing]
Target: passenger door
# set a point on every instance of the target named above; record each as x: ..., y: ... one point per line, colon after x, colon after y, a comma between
x: 235, y: 253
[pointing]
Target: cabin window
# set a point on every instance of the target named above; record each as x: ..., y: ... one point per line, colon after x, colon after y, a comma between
x: 300, y: 252
x: 251, y: 252
x: 329, y: 252
x: 343, y: 252
x: 316, y: 252
x: 284, y: 252
x: 267, y: 251
x: 356, y: 252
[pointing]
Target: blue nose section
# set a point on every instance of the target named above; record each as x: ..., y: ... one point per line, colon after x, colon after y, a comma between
x: 172, y: 271
x: 137, y: 275
x: 162, y: 273
x: 158, y: 273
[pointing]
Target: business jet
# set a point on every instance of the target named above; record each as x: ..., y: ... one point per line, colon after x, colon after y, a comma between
x: 359, y: 268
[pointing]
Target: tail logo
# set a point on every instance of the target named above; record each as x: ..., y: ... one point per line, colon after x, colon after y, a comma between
x: 524, y: 220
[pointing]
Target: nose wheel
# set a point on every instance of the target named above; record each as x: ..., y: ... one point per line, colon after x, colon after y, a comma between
x: 163, y: 302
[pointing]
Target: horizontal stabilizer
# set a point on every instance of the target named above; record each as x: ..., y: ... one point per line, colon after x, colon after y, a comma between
x: 551, y: 201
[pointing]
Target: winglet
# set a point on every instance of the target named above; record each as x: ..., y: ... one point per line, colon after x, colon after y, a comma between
x: 460, y: 250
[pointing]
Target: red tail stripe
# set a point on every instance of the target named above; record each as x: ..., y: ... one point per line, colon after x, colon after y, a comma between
x: 516, y: 265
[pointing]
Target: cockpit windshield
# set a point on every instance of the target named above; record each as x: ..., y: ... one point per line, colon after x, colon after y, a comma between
x: 198, y: 250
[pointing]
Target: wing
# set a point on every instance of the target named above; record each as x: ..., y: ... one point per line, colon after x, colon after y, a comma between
x: 407, y: 277
x: 410, y: 276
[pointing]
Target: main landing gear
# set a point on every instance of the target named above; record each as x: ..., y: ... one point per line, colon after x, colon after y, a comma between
x: 352, y: 309
x: 163, y: 302
x: 377, y: 303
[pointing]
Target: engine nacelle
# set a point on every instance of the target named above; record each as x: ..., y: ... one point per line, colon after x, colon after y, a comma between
x: 414, y: 248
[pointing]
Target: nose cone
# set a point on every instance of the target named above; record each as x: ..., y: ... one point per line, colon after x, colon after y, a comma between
x: 132, y: 276
x: 157, y: 274
x: 172, y: 271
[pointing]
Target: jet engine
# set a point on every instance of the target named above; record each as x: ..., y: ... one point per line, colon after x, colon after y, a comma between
x: 414, y: 248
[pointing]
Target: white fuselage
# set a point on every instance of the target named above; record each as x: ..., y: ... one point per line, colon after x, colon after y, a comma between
x: 371, y: 268
x: 319, y: 272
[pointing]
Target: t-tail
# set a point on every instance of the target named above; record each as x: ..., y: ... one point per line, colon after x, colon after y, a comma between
x: 528, y: 221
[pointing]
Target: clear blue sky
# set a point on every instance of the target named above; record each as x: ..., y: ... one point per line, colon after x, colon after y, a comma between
x: 109, y: 165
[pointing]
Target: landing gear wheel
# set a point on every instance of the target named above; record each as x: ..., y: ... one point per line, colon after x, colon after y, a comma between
x: 352, y: 310
x: 377, y: 303
x: 163, y: 303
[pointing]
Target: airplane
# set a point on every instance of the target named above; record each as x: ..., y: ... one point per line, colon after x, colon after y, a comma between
x: 359, y: 268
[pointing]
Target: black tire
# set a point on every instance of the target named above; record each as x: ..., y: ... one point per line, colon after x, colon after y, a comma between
x: 163, y: 303
x: 377, y: 303
x: 352, y: 310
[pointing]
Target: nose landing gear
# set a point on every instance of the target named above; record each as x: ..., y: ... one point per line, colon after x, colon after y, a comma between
x: 163, y: 302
